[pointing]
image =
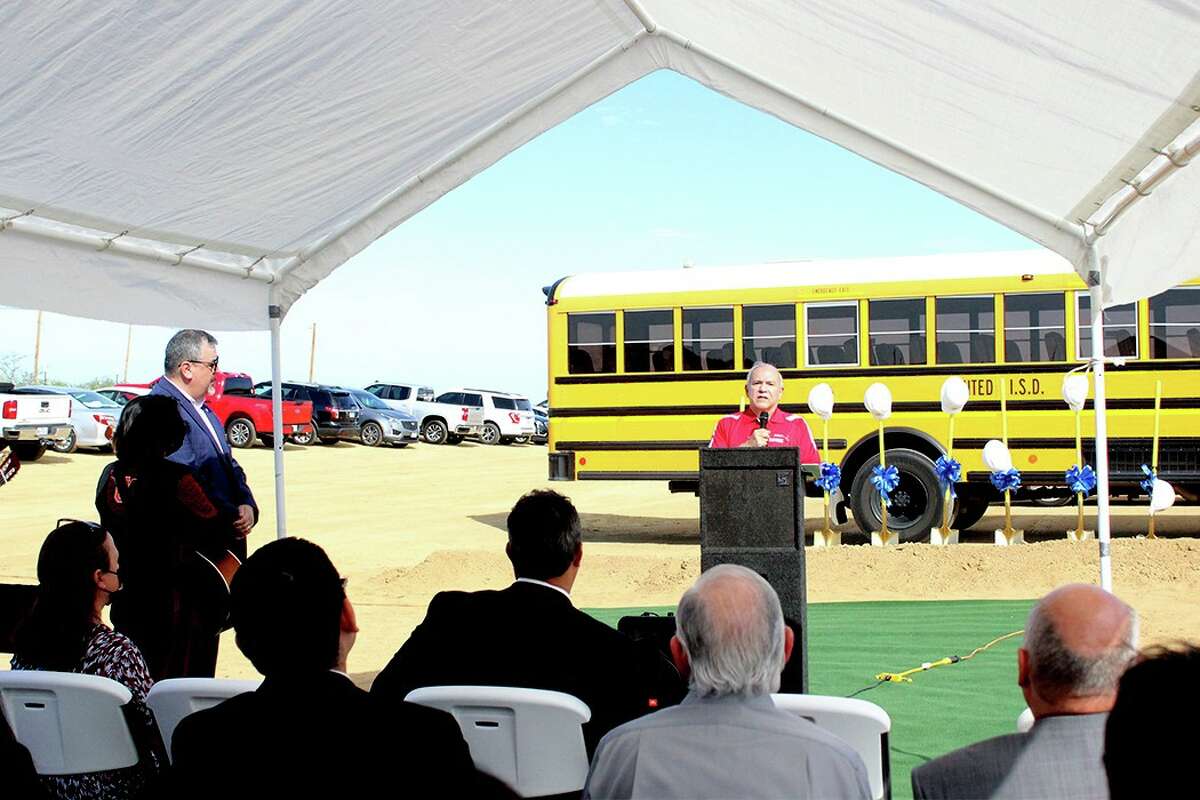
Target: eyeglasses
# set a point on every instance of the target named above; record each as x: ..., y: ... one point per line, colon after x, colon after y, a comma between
x: 212, y: 365
x: 91, y: 526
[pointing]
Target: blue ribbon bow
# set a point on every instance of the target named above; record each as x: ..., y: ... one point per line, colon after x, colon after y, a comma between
x: 831, y: 476
x: 1148, y: 484
x: 885, y: 480
x: 1007, y: 481
x: 1081, y: 481
x: 949, y: 472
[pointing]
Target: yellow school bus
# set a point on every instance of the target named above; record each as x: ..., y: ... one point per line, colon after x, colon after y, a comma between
x: 643, y: 364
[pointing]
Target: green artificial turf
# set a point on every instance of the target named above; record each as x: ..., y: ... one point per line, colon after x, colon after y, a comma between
x: 943, y: 708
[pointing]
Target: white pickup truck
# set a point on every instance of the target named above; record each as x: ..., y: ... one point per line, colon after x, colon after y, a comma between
x: 30, y: 422
x: 446, y: 419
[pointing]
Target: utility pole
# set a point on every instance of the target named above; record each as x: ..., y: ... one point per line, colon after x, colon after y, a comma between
x: 128, y: 347
x: 312, y: 353
x: 37, y: 347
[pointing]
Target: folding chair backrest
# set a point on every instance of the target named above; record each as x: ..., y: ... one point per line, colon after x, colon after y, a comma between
x: 861, y: 724
x: 173, y: 699
x: 531, y: 739
x: 70, y: 723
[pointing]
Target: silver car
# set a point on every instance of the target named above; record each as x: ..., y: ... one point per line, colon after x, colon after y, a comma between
x: 93, y: 418
x: 379, y: 423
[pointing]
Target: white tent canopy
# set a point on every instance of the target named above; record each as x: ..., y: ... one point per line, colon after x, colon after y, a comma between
x: 190, y: 162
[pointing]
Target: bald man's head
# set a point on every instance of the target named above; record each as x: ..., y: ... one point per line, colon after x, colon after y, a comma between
x: 1078, y: 641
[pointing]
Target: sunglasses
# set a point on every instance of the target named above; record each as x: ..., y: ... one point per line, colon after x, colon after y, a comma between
x: 212, y: 365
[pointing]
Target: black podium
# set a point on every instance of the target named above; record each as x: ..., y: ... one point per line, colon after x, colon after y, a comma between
x: 752, y: 514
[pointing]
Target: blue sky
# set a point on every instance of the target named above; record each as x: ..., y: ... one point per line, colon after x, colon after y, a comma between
x: 661, y: 173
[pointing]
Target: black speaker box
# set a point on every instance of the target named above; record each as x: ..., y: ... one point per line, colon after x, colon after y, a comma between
x: 752, y: 514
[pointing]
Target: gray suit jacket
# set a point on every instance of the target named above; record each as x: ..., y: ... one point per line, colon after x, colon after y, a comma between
x: 728, y: 747
x: 1060, y: 758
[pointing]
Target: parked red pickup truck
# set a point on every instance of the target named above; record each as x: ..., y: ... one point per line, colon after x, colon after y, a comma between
x: 243, y: 415
x: 246, y: 416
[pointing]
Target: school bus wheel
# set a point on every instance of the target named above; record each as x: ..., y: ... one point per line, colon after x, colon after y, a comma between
x: 916, y: 500
x: 969, y: 509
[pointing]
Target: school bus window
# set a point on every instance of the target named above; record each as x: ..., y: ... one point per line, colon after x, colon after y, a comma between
x: 1035, y: 327
x: 831, y: 333
x: 1120, y: 328
x: 897, y: 331
x: 769, y: 334
x: 591, y: 343
x: 1175, y: 324
x: 649, y: 341
x: 966, y: 330
x: 708, y: 338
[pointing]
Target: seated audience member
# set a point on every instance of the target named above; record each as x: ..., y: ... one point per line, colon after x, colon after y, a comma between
x: 727, y: 739
x: 78, y: 572
x: 1078, y: 640
x: 174, y: 604
x: 308, y: 731
x: 530, y: 635
x: 1145, y: 755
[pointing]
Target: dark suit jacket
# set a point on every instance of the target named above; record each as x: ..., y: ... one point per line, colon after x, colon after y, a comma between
x: 213, y: 465
x: 319, y: 735
x: 1060, y: 758
x: 532, y: 636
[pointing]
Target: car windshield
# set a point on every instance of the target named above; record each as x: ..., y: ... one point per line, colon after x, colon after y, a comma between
x: 368, y: 400
x: 523, y: 404
x: 93, y: 400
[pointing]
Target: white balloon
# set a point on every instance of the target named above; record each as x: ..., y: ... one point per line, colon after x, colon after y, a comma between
x: 954, y: 395
x: 996, y: 456
x: 1075, y: 390
x: 1162, y: 497
x: 878, y: 401
x: 820, y: 400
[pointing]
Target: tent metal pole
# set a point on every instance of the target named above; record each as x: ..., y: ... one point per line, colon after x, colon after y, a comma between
x: 276, y: 316
x: 1103, y: 532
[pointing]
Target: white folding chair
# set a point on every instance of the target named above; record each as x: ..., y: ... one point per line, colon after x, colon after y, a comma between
x: 861, y: 724
x: 531, y: 739
x: 71, y: 723
x: 1025, y: 721
x: 174, y: 698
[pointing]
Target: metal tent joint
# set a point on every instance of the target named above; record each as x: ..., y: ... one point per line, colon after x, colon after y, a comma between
x: 182, y: 254
x: 6, y: 222
x: 108, y: 242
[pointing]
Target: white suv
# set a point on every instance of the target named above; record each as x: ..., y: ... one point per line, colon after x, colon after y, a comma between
x: 506, y: 417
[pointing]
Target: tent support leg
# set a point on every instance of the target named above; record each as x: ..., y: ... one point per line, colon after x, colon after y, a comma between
x: 1103, y: 532
x: 276, y: 314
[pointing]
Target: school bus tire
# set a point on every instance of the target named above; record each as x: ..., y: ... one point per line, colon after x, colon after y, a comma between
x: 969, y: 509
x: 916, y: 501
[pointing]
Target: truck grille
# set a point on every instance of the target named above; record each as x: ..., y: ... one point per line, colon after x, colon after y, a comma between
x: 410, y: 425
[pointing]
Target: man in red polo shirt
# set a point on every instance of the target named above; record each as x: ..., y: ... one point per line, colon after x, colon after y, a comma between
x: 764, y: 388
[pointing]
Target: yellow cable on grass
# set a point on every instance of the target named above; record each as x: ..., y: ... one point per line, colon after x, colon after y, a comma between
x: 902, y: 677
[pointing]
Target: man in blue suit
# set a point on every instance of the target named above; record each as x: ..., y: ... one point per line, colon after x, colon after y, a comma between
x: 189, y: 367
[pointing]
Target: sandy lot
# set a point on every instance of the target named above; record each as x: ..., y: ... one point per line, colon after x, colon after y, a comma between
x: 403, y: 524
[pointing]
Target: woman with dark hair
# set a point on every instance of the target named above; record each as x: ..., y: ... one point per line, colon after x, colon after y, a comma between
x: 170, y: 535
x: 78, y: 574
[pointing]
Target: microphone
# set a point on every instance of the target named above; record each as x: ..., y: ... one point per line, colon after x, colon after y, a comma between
x: 762, y: 419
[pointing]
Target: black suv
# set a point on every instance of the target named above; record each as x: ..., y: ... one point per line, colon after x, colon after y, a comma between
x: 334, y: 411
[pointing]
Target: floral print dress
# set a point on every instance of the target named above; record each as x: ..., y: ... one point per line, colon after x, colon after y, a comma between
x: 111, y: 655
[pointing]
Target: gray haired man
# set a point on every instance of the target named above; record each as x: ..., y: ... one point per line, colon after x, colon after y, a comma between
x: 1078, y: 641
x: 727, y: 739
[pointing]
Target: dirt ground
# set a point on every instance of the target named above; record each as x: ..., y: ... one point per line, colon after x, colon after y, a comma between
x: 404, y: 524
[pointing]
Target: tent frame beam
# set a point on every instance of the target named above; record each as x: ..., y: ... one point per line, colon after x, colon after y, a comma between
x: 29, y: 224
